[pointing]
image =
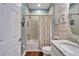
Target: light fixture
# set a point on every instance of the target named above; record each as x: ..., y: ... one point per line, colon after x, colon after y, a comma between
x: 38, y: 5
x: 19, y: 4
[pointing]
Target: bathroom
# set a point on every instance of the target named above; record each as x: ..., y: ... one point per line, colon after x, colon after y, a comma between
x: 61, y: 26
x: 39, y: 29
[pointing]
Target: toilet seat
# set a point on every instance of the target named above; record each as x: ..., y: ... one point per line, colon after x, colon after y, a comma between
x: 46, y: 50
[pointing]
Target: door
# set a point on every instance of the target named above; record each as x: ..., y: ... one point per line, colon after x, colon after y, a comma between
x: 10, y: 33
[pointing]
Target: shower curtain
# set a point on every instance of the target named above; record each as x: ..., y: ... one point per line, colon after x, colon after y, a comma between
x: 45, y: 30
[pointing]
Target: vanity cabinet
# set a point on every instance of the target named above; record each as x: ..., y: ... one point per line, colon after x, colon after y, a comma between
x: 10, y: 29
x: 55, y: 51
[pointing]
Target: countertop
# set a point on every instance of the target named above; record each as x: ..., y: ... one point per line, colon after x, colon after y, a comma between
x: 65, y: 50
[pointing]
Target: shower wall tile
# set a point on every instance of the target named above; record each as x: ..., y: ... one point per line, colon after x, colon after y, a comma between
x: 62, y: 30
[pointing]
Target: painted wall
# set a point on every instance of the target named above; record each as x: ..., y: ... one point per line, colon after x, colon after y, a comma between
x: 38, y: 12
x: 51, y: 9
x: 52, y: 25
x: 24, y: 11
x: 74, y: 8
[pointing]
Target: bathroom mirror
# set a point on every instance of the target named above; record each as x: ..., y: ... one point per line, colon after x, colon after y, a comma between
x: 74, y: 18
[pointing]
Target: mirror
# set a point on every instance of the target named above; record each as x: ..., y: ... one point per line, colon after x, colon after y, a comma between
x: 74, y: 17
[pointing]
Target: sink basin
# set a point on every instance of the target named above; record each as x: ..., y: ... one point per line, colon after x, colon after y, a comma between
x: 70, y: 48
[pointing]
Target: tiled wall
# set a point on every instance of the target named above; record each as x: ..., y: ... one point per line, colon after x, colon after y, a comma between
x: 33, y: 27
x: 62, y: 29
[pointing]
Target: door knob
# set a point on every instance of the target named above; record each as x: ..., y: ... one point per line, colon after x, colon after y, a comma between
x: 1, y: 40
x: 20, y: 39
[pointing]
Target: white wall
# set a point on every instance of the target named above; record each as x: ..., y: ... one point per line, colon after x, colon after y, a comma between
x: 74, y: 8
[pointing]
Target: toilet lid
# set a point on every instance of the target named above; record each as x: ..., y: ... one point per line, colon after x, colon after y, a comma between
x: 46, y: 48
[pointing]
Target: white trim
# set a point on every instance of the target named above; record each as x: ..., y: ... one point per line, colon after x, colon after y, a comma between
x: 24, y: 53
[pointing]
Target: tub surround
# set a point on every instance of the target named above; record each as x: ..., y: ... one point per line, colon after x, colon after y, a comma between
x: 66, y: 47
x: 32, y: 45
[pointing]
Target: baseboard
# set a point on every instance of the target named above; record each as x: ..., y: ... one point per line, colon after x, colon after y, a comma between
x: 24, y: 53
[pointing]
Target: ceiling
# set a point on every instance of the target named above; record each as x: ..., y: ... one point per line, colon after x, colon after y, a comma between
x: 32, y: 6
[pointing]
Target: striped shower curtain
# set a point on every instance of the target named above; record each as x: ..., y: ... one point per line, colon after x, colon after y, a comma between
x: 45, y: 30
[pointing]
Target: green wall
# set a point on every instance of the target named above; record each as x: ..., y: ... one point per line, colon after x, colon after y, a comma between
x: 74, y: 8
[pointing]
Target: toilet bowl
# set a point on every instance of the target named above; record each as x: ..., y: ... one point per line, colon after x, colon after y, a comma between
x: 46, y: 50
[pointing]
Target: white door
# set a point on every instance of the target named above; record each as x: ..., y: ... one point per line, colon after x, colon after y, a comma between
x: 10, y: 29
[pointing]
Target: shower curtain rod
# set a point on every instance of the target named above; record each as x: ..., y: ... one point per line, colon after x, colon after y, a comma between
x: 38, y: 15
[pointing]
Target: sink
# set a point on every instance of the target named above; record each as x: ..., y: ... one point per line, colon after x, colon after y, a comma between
x: 70, y: 48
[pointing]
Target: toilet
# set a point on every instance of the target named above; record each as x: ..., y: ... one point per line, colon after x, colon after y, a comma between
x: 46, y: 50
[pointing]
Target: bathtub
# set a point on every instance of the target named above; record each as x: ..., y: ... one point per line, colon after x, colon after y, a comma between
x: 32, y: 45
